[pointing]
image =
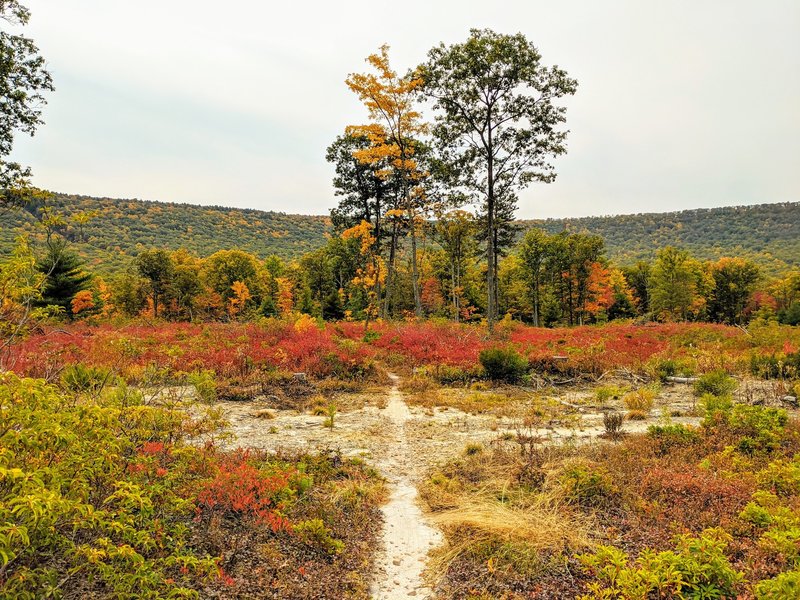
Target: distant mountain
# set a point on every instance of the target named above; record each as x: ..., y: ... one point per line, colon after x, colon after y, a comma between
x: 120, y: 229
x: 767, y: 233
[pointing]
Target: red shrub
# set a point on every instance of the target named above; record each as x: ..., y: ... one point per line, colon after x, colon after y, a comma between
x: 243, y: 490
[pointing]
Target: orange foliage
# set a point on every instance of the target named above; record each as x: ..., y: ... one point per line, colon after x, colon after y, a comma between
x: 82, y: 301
x: 285, y: 297
x: 241, y: 294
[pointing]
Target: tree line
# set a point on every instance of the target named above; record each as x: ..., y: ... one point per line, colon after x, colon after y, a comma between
x: 547, y: 280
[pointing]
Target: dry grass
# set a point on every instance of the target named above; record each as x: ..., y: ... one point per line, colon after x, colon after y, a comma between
x: 265, y: 413
x: 502, y: 402
x: 641, y: 400
x: 543, y: 525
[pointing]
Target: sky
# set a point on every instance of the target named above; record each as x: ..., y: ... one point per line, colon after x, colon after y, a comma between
x: 681, y: 104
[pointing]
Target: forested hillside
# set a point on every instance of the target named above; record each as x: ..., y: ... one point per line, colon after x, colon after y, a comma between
x: 118, y: 230
x: 768, y: 234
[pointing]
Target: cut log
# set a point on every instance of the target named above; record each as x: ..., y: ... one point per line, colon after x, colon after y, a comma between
x: 682, y: 379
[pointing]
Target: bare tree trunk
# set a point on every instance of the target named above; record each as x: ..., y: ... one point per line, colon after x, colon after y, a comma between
x: 390, y: 272
x: 415, y: 269
x: 491, y: 250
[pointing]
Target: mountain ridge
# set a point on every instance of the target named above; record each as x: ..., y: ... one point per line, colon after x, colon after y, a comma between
x: 769, y: 233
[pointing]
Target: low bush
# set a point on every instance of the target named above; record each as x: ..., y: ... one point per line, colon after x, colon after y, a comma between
x: 670, y: 367
x: 716, y: 383
x: 608, y: 392
x: 697, y: 568
x: 103, y: 496
x: 640, y: 400
x: 503, y: 364
x: 785, y: 586
x: 754, y: 429
x: 612, y: 423
x: 588, y: 485
x: 670, y: 437
x: 82, y: 378
x: 205, y: 384
x: 777, y: 365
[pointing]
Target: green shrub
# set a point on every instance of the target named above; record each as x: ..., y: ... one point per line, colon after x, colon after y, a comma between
x: 608, y: 392
x: 315, y: 533
x: 785, y: 586
x: 753, y: 429
x: 671, y: 368
x: 81, y: 378
x: 503, y: 364
x: 717, y: 383
x: 671, y: 436
x: 782, y: 477
x: 87, y: 489
x: 640, y: 400
x: 776, y: 365
x: 697, y: 568
x: 715, y: 405
x: 205, y: 385
x: 587, y: 485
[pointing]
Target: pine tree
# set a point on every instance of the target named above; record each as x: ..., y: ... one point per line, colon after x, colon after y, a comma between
x: 64, y: 276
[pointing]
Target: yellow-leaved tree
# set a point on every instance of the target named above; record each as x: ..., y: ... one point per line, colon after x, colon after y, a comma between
x: 393, y: 147
x: 238, y: 301
x: 371, y: 273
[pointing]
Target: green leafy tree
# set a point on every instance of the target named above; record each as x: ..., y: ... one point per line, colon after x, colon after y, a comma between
x: 534, y: 253
x: 158, y: 269
x: 224, y: 268
x: 130, y: 292
x: 673, y: 287
x: 497, y: 124
x: 20, y: 292
x: 455, y: 231
x: 23, y: 82
x: 638, y: 278
x: 734, y: 283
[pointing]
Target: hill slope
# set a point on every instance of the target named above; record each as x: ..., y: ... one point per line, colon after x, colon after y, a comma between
x: 121, y: 228
x: 766, y: 233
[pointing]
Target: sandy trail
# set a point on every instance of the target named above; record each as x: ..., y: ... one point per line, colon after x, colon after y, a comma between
x: 403, y: 443
x: 407, y: 537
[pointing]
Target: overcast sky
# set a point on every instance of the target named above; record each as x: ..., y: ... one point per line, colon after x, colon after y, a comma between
x: 681, y: 104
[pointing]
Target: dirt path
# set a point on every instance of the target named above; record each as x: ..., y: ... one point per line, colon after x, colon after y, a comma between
x: 404, y: 442
x: 407, y: 537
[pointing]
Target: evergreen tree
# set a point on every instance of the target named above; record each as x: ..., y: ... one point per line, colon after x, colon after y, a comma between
x: 64, y: 276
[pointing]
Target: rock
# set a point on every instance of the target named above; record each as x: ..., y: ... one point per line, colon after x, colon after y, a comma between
x: 299, y: 377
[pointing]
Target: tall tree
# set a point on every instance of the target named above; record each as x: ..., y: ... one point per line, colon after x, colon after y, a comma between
x: 390, y: 101
x: 673, y: 285
x: 64, y: 276
x: 20, y: 294
x: 498, y: 123
x: 158, y: 269
x: 225, y: 267
x: 534, y: 253
x: 23, y: 82
x: 734, y: 283
x: 638, y: 277
x: 455, y: 232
